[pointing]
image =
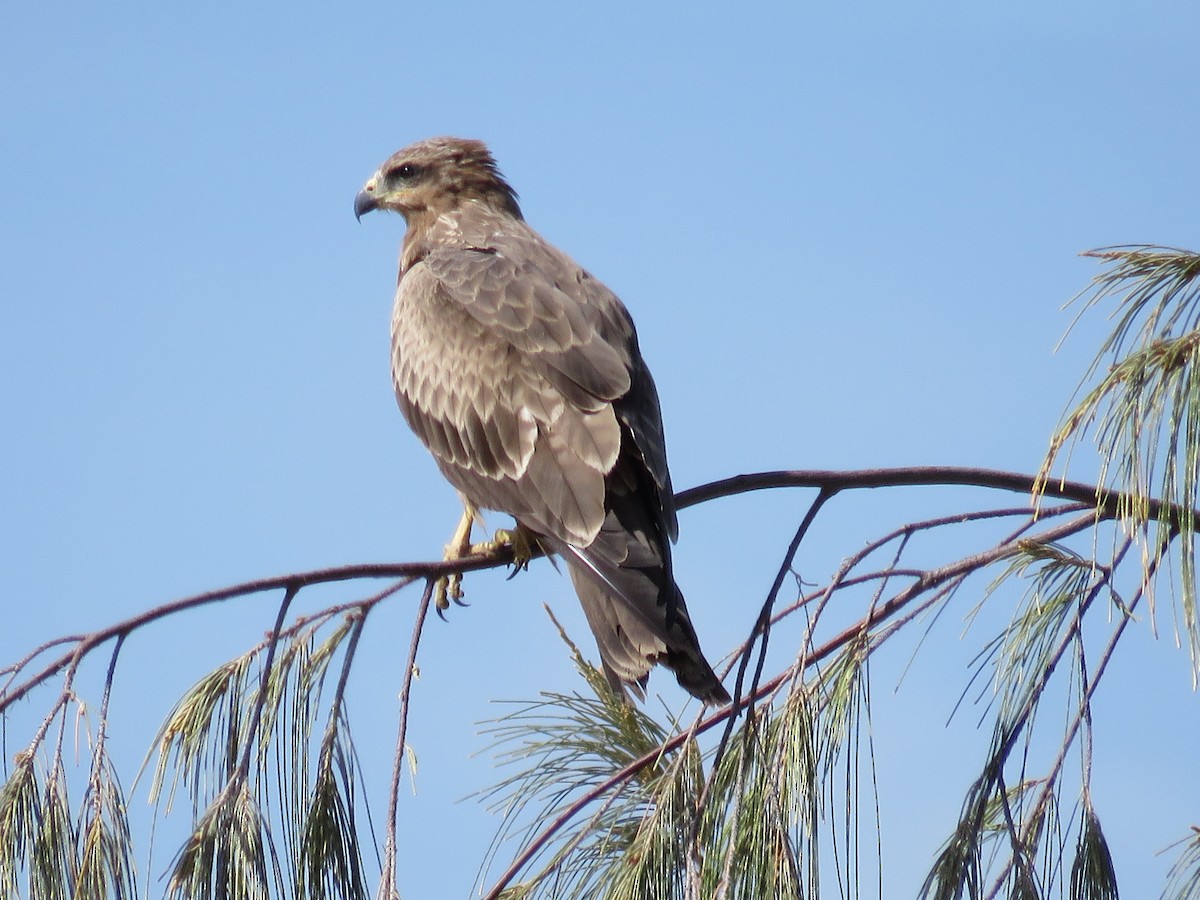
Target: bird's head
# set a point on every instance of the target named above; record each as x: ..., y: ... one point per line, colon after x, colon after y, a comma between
x: 435, y: 176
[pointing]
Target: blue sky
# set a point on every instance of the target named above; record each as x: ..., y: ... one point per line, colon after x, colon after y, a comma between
x: 846, y: 237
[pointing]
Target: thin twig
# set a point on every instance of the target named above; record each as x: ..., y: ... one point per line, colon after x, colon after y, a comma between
x: 762, y: 632
x: 387, y: 881
x: 243, y: 768
x: 762, y: 625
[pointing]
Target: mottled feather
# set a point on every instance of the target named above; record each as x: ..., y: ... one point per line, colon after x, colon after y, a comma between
x: 522, y: 375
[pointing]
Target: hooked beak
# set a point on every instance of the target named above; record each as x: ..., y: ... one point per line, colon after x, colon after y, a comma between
x: 364, y: 202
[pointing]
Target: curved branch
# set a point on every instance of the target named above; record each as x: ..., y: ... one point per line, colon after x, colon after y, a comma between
x: 829, y: 481
x: 84, y: 644
x: 1107, y: 503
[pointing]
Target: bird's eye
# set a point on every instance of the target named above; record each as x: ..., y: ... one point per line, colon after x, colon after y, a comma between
x: 404, y: 172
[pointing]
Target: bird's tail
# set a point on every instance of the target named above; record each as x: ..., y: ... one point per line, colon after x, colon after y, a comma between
x: 639, y: 618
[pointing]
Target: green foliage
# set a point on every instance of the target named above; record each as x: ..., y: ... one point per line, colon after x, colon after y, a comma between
x: 1184, y: 880
x: 237, y: 713
x: 1061, y: 586
x: 64, y: 859
x: 226, y: 856
x: 53, y: 843
x: 677, y: 821
x: 105, y: 844
x: 1092, y: 874
x: 330, y: 859
x: 20, y: 813
x: 566, y: 745
x: 199, y: 743
x: 1144, y: 411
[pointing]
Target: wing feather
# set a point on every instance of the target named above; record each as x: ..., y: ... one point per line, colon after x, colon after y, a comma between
x: 517, y: 293
x: 523, y: 376
x: 528, y: 369
x: 505, y: 375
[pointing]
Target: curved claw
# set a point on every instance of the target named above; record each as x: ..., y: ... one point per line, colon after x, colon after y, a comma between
x: 443, y: 596
x: 518, y: 540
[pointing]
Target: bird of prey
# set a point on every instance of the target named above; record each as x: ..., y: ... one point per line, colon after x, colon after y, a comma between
x: 521, y: 374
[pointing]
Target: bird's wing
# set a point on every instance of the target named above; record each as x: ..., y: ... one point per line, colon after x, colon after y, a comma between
x: 506, y: 378
x: 531, y: 299
x: 572, y: 327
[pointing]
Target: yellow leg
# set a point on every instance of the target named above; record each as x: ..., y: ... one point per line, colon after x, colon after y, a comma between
x: 519, y: 539
x: 449, y: 587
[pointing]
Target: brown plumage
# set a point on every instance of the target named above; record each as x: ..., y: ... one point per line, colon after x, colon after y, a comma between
x: 521, y: 373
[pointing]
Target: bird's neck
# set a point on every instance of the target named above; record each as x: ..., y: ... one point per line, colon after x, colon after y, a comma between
x: 418, y: 237
x: 470, y: 223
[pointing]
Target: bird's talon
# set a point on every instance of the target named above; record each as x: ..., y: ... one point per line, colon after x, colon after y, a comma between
x: 440, y: 602
x: 447, y: 588
x: 517, y: 540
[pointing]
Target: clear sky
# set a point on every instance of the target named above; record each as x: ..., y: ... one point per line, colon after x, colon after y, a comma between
x: 846, y: 235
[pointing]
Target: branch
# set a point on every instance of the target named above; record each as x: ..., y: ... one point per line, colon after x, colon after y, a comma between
x: 84, y: 644
x: 1108, y: 504
x: 387, y: 880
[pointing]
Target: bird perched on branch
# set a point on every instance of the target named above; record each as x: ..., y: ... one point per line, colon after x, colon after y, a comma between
x: 521, y: 374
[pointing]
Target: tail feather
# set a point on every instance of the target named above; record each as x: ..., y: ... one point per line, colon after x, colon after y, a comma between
x: 636, y: 627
